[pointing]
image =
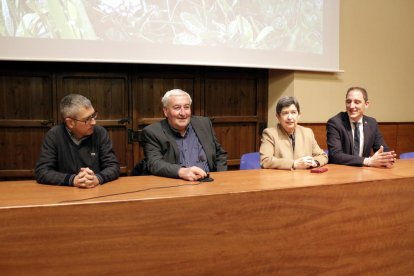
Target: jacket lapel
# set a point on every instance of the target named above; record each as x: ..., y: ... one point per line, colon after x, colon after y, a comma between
x: 367, y: 134
x: 170, y: 137
x: 202, y: 137
x: 348, y: 128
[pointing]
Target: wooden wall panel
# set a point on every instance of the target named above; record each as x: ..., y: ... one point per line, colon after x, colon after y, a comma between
x: 231, y: 97
x: 26, y: 113
x: 108, y: 94
x: 25, y: 97
x: 405, y: 142
x: 236, y: 139
x: 20, y: 148
x: 389, y: 132
x: 123, y: 150
x: 319, y: 130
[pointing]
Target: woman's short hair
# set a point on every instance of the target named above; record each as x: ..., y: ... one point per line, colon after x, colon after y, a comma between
x: 286, y: 101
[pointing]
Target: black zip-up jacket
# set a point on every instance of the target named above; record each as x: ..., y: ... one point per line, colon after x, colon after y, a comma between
x: 61, y: 159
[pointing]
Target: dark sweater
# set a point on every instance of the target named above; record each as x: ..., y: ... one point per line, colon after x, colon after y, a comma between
x: 61, y: 159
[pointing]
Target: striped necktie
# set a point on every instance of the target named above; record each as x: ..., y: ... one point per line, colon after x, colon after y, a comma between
x: 356, y: 139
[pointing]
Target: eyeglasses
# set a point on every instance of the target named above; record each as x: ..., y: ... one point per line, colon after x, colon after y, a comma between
x: 89, y: 119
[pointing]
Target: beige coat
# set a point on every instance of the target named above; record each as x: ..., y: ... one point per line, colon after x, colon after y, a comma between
x: 276, y: 150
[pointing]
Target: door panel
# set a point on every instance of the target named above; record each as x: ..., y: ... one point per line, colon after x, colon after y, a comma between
x: 26, y: 114
x: 230, y: 97
x: 236, y: 139
x: 233, y: 100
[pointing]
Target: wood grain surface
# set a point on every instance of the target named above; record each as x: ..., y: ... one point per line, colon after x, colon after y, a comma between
x: 347, y: 221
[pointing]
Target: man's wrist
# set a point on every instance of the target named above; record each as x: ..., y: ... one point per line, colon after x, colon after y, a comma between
x: 72, y: 180
x: 181, y: 172
x: 99, y: 178
x: 367, y: 162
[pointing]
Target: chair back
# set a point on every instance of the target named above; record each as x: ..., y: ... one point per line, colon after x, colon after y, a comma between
x: 250, y: 161
x: 407, y: 155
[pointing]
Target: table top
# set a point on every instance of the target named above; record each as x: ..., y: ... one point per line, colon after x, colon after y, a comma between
x: 28, y: 193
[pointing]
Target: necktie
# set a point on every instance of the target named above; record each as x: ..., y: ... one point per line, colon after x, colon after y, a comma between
x: 356, y: 138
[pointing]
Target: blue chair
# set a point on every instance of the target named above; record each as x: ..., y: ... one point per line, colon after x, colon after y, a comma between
x: 407, y: 155
x: 250, y: 161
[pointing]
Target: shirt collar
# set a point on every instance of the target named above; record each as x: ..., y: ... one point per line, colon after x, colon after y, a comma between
x: 359, y: 121
x: 177, y: 133
x: 76, y: 141
x: 287, y: 134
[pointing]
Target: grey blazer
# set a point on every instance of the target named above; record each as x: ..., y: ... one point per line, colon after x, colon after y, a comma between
x: 162, y: 157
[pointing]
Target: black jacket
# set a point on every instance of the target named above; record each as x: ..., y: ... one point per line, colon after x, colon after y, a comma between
x: 340, y: 140
x: 61, y: 159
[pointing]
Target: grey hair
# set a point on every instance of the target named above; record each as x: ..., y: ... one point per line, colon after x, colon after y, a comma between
x: 72, y: 103
x: 174, y: 92
x: 286, y: 101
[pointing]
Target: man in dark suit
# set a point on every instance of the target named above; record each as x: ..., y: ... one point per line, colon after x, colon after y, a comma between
x: 182, y: 145
x: 351, y: 135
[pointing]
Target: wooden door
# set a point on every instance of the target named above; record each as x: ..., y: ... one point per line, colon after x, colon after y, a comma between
x: 236, y: 101
x: 27, y: 111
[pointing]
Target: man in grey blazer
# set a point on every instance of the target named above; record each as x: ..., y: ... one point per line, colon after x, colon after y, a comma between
x: 182, y: 145
x: 351, y: 135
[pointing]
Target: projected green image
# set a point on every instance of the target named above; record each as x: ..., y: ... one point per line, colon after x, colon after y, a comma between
x: 290, y: 25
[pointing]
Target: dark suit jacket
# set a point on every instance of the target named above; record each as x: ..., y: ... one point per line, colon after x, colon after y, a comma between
x: 340, y: 139
x: 162, y: 157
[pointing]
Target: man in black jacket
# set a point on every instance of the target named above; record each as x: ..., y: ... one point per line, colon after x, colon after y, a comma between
x: 182, y: 145
x: 77, y: 152
x: 351, y: 135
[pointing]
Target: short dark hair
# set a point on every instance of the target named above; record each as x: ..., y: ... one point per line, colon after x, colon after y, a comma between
x: 362, y: 90
x: 286, y: 101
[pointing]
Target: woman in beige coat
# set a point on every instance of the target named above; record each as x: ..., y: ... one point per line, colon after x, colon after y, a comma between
x: 288, y: 145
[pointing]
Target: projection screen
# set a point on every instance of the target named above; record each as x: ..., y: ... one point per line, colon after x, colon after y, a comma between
x: 278, y: 34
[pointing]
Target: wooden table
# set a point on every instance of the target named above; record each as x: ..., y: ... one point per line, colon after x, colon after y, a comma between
x: 347, y: 221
